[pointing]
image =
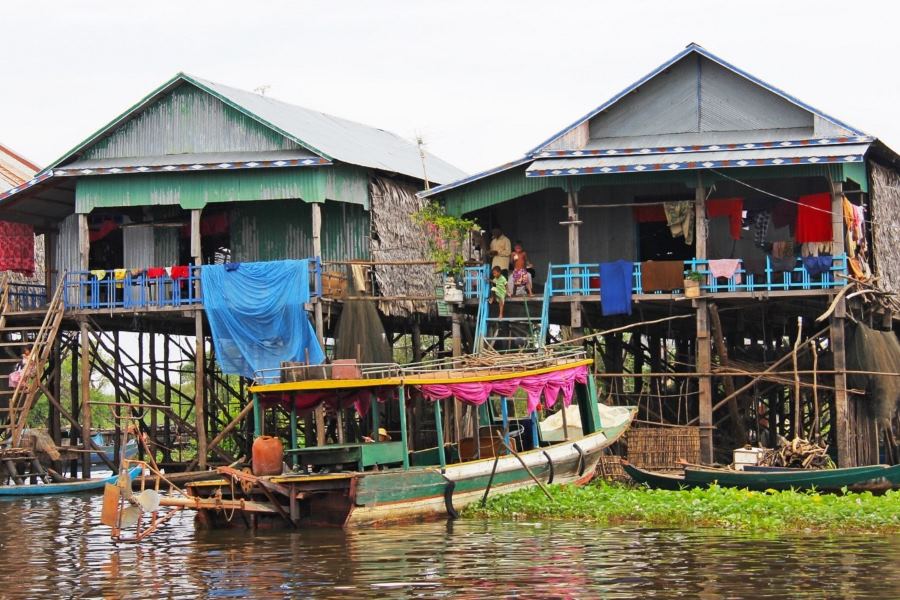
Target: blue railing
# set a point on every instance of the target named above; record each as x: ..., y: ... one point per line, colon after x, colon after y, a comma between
x: 584, y: 279
x: 27, y: 296
x: 96, y: 290
x: 84, y: 290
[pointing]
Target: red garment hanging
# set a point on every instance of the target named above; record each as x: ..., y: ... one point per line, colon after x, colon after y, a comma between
x: 107, y: 226
x: 733, y: 208
x: 649, y: 214
x: 814, y: 218
x: 17, y: 248
x: 180, y: 272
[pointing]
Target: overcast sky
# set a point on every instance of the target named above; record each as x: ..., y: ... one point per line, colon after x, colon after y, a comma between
x: 482, y: 81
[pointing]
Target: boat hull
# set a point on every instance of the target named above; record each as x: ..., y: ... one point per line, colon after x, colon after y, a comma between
x: 396, y: 495
x: 827, y: 479
x: 73, y: 487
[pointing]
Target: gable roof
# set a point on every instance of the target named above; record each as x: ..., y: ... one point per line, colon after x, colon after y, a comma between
x: 696, y: 50
x: 661, y: 110
x: 330, y: 137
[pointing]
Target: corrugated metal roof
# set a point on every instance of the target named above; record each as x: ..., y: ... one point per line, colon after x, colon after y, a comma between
x: 598, y: 165
x: 337, y: 138
x: 487, y: 173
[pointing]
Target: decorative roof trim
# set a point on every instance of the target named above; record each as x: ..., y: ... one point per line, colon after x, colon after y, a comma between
x: 36, y: 179
x: 693, y: 165
x: 832, y: 141
x: 692, y: 49
x: 493, y: 171
x: 221, y: 166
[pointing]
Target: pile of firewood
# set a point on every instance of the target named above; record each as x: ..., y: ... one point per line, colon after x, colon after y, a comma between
x: 799, y: 453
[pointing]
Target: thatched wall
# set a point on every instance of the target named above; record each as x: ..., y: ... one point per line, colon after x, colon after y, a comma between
x: 395, y: 237
x: 885, y: 218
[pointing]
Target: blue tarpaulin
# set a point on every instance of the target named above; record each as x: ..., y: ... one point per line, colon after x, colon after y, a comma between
x: 256, y: 315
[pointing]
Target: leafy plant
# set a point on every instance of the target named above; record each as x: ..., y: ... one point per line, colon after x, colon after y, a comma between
x: 446, y: 236
x: 694, y: 276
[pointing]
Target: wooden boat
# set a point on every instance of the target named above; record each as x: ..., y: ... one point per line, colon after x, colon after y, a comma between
x: 68, y: 487
x: 655, y: 480
x: 798, y: 479
x: 107, y: 449
x: 385, y: 481
x: 889, y: 478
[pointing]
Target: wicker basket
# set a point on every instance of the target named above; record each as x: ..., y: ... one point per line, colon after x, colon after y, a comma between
x: 660, y: 448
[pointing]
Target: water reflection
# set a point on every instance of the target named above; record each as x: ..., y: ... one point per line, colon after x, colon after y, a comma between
x: 52, y: 548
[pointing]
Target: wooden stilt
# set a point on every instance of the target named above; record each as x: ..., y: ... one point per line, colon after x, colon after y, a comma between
x: 85, y: 400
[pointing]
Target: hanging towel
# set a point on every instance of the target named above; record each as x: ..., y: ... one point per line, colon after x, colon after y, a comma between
x: 814, y: 218
x: 180, y: 272
x: 662, y: 275
x: 99, y: 273
x: 761, y: 227
x: 726, y: 267
x: 615, y: 292
x: 755, y: 264
x: 155, y: 272
x: 733, y: 208
x: 119, y: 275
x: 783, y: 257
x: 816, y: 265
x: 680, y: 218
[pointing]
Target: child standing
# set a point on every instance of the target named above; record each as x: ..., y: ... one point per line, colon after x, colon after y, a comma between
x: 498, y: 289
x: 521, y: 278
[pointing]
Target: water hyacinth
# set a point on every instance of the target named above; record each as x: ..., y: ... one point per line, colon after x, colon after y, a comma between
x: 715, y: 506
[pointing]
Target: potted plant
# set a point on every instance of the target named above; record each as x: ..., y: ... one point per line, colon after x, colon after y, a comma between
x: 692, y: 284
x: 446, y: 236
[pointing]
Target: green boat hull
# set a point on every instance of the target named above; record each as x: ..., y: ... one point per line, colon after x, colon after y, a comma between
x: 828, y: 479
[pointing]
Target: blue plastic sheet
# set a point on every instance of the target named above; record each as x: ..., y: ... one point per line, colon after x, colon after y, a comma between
x: 256, y: 315
x: 615, y: 287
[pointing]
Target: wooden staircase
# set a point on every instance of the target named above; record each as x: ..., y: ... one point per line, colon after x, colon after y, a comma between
x: 19, y: 401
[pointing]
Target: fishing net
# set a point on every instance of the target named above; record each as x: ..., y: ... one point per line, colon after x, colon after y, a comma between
x: 359, y: 333
x: 876, y: 351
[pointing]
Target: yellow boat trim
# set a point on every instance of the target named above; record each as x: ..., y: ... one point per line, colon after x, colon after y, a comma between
x: 337, y: 384
x: 299, y: 478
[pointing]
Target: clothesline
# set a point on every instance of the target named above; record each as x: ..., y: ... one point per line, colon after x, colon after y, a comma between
x: 762, y: 191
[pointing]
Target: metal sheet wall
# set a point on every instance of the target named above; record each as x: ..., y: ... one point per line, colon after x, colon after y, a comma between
x: 282, y: 229
x: 166, y: 241
x: 188, y: 120
x: 66, y: 257
x: 342, y: 183
x: 137, y: 241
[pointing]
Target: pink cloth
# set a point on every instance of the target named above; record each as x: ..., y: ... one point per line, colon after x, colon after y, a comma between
x: 726, y: 267
x: 547, y: 384
x: 306, y: 401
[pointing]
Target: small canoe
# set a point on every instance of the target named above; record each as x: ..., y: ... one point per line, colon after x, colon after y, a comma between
x: 68, y: 487
x: 657, y: 481
x: 798, y: 479
x: 108, y: 450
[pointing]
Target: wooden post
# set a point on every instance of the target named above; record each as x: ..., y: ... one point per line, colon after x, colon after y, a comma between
x: 703, y: 353
x: 85, y: 401
x: 574, y: 248
x: 317, y: 312
x: 846, y: 457
x: 154, y: 412
x: 199, y: 351
x: 73, y: 396
x: 704, y: 383
x: 740, y: 434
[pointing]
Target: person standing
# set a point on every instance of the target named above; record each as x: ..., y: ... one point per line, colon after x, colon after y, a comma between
x: 499, y: 251
x: 520, y: 280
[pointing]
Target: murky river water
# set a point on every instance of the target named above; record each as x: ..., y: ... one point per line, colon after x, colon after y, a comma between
x: 51, y: 548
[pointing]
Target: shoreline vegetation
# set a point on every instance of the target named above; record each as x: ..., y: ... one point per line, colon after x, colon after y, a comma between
x: 728, y: 508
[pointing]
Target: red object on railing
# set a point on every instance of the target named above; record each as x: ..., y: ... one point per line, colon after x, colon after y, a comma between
x: 180, y: 272
x: 155, y: 272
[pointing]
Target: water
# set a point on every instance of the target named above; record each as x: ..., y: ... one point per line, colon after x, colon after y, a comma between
x: 49, y: 548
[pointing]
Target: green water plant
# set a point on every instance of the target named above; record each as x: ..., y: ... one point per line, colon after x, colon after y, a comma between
x: 728, y: 508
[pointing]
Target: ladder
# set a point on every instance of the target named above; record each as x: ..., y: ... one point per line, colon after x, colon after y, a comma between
x: 521, y: 328
x: 39, y: 340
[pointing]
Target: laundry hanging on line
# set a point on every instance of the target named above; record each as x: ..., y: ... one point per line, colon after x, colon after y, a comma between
x: 680, y: 219
x: 726, y: 267
x: 733, y: 208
